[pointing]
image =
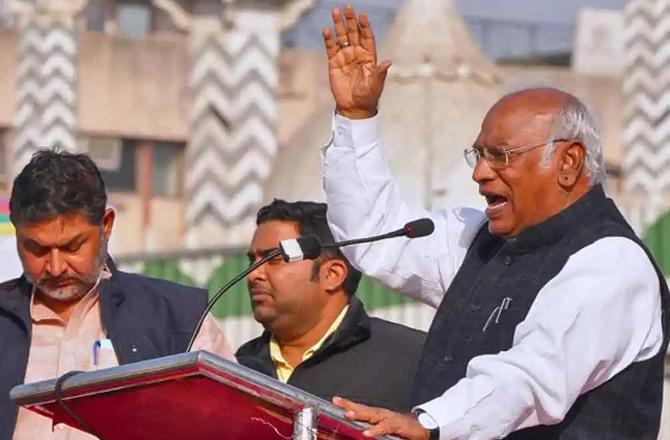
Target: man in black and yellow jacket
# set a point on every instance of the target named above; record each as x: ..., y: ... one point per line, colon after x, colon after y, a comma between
x: 318, y: 336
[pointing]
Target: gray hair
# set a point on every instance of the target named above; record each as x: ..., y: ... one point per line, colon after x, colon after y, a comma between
x: 575, y: 121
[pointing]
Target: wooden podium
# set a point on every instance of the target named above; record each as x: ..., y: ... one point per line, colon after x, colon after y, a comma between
x: 188, y: 396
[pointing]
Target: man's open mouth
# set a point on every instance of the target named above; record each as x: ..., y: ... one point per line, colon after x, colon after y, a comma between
x: 494, y: 201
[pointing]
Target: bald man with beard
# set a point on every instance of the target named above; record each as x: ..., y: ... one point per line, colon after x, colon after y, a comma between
x: 551, y: 315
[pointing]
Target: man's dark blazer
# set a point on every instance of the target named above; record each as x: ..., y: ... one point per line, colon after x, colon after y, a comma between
x: 144, y: 318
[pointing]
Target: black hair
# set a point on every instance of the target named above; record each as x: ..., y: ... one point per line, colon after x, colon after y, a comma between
x: 311, y: 220
x: 57, y: 183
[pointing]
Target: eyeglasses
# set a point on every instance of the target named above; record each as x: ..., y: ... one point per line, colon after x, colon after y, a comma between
x: 497, y: 157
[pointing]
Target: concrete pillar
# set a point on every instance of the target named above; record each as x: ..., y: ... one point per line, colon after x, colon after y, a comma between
x: 46, y: 106
x: 233, y: 81
x: 646, y: 155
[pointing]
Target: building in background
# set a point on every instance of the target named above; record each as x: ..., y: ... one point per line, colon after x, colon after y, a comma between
x: 174, y: 99
x: 196, y: 114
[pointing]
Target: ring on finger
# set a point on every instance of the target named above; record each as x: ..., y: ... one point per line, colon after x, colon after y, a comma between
x: 344, y: 44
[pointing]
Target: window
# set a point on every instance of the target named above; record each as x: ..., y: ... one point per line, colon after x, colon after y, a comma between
x: 166, y: 169
x: 131, y: 165
x: 105, y: 151
x: 94, y: 15
x: 134, y: 19
x: 122, y: 177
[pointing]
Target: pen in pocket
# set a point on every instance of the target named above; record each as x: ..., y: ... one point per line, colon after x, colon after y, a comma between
x: 100, y: 344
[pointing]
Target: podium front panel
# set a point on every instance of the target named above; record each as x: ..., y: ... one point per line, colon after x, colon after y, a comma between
x: 187, y: 396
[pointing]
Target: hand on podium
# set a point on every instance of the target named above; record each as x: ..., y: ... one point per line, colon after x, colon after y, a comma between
x: 383, y: 421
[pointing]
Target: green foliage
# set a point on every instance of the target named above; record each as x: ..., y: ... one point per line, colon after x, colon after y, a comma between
x: 657, y: 238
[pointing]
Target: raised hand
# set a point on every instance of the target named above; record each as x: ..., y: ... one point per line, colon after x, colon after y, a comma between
x: 355, y: 78
x: 384, y: 421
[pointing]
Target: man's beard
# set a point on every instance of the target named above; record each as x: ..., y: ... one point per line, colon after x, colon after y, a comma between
x: 82, y: 283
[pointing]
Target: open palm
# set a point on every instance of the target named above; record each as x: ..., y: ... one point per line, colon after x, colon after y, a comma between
x: 355, y: 78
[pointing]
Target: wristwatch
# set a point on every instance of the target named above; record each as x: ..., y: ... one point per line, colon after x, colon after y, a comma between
x: 428, y: 423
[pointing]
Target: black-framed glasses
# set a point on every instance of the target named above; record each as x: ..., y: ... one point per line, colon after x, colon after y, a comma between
x: 497, y: 157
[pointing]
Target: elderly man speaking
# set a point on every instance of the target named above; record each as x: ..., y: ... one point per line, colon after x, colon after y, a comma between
x: 551, y: 315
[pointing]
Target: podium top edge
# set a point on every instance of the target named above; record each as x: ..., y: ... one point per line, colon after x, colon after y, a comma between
x: 44, y: 391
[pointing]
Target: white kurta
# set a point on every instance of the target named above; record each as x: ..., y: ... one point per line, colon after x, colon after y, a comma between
x: 566, y: 346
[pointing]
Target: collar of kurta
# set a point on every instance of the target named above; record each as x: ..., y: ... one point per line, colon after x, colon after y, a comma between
x: 39, y: 312
x: 16, y: 294
x: 550, y: 231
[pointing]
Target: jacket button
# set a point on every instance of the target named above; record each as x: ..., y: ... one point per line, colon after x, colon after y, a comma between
x: 475, y: 307
x: 508, y: 260
x: 448, y: 358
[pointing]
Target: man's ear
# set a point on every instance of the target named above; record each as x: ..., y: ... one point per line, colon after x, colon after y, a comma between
x: 332, y: 274
x: 108, y: 222
x: 571, y: 164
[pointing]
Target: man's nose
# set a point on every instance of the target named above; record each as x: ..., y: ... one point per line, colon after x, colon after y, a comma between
x: 256, y: 274
x: 56, y: 265
x: 483, y: 171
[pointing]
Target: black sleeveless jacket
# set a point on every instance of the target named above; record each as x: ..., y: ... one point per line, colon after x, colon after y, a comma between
x: 626, y: 407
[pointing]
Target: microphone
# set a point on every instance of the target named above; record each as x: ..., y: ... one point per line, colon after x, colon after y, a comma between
x: 309, y: 247
x: 419, y: 228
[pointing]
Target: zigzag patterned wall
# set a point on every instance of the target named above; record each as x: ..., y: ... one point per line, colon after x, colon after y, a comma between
x: 232, y: 144
x: 646, y: 161
x: 46, y: 81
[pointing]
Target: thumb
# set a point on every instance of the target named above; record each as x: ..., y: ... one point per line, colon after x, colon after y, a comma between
x: 383, y: 70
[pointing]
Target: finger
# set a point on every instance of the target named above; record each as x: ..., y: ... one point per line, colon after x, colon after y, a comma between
x: 329, y: 41
x: 348, y: 404
x: 401, y: 425
x: 358, y: 412
x: 340, y: 29
x: 383, y: 70
x: 367, y: 36
x: 352, y: 26
x: 372, y: 417
x: 383, y: 428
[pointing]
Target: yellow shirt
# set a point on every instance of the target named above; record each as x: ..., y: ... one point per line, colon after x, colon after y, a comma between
x: 283, y: 368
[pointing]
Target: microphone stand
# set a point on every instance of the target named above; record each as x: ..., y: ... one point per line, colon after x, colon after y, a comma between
x: 398, y: 233
x: 273, y: 254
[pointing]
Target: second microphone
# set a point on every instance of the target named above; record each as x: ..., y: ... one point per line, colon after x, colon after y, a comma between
x: 309, y: 247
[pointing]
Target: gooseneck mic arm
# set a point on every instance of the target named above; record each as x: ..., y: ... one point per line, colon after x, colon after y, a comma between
x: 309, y: 248
x: 273, y: 254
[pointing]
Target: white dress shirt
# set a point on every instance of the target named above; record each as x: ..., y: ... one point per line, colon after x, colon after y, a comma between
x: 566, y: 346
